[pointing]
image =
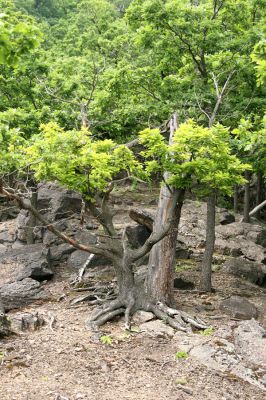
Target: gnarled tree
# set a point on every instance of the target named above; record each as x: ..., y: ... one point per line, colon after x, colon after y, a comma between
x: 76, y: 160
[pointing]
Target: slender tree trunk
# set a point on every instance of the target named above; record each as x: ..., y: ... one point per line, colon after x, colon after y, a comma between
x: 206, y: 268
x: 247, y: 198
x: 162, y: 257
x: 259, y: 192
x: 32, y: 220
x: 235, y: 199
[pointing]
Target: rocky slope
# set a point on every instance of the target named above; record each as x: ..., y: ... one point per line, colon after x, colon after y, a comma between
x: 64, y: 361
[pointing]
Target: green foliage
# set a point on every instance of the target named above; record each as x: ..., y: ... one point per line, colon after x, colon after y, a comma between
x: 106, y: 339
x: 207, y: 332
x: 75, y: 159
x: 181, y: 381
x: 181, y: 355
x: 249, y: 142
x: 18, y: 34
x: 259, y: 57
x: 197, y: 154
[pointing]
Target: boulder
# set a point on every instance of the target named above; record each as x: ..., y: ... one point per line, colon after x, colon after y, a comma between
x: 239, y: 307
x: 21, y: 293
x: 57, y: 201
x: 78, y: 258
x: 4, y: 322
x: 8, y: 233
x: 137, y: 235
x: 83, y: 236
x: 60, y: 253
x: 22, y: 222
x: 157, y: 328
x: 140, y: 317
x: 180, y: 283
x: 250, y: 343
x: 26, y: 321
x: 29, y: 261
x: 253, y: 272
x: 182, y: 251
x: 226, y: 218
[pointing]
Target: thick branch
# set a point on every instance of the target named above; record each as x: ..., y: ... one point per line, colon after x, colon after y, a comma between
x: 157, y: 235
x: 27, y: 206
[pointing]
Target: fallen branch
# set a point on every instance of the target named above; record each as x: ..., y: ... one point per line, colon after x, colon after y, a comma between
x: 257, y: 208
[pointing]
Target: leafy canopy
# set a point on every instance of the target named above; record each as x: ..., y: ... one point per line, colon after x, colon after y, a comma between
x: 75, y: 159
x: 198, y: 155
x: 18, y: 34
x: 79, y: 161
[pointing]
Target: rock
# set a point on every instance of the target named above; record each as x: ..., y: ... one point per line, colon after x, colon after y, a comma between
x: 253, y: 272
x: 137, y: 235
x: 4, y: 322
x: 85, y: 237
x: 239, y: 307
x: 226, y: 218
x: 261, y: 238
x: 8, y: 212
x: 180, y: 283
x: 78, y: 258
x: 250, y: 342
x: 140, y: 317
x: 22, y: 222
x: 29, y: 261
x: 26, y: 321
x: 59, y: 201
x: 8, y: 232
x: 21, y: 293
x: 157, y: 328
x: 3, y: 248
x: 60, y: 253
x: 182, y: 251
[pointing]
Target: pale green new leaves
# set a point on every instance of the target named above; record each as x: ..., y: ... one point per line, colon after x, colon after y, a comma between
x: 259, y: 57
x: 76, y: 160
x: 198, y: 154
x: 11, y: 143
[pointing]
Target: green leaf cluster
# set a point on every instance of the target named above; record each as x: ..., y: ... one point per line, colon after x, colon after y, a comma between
x: 198, y: 156
x: 79, y: 161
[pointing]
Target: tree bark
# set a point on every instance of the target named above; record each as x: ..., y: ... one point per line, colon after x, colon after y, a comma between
x: 206, y: 268
x: 162, y: 257
x: 247, y: 198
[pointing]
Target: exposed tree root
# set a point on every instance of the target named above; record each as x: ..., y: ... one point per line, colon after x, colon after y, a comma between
x: 178, y: 320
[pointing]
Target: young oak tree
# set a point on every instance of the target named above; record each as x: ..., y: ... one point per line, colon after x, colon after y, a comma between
x: 78, y: 161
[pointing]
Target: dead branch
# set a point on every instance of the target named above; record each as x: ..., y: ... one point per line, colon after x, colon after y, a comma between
x: 257, y: 208
x: 23, y: 204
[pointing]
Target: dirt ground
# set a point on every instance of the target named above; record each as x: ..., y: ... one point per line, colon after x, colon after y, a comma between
x: 63, y: 360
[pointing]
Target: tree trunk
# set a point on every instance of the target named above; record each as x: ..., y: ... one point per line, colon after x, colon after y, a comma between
x: 247, y: 198
x: 32, y: 220
x: 206, y: 268
x: 235, y: 200
x: 162, y: 257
